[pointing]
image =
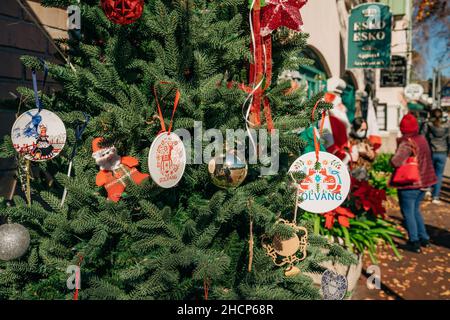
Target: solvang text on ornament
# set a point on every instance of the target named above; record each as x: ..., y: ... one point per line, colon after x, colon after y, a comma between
x: 253, y: 142
x: 320, y: 196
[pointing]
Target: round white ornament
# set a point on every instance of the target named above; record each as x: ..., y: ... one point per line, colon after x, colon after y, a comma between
x: 38, y: 136
x: 167, y: 159
x: 324, y: 189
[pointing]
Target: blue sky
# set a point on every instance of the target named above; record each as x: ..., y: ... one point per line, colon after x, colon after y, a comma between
x: 436, y: 51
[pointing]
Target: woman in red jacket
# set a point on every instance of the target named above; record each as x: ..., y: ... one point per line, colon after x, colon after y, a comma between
x: 411, y: 195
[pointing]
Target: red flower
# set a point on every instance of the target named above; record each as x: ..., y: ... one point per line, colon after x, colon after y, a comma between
x: 368, y: 197
x: 342, y: 214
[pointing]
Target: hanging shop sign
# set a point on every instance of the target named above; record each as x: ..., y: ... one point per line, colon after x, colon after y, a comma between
x: 413, y: 91
x: 369, y: 38
x: 395, y: 75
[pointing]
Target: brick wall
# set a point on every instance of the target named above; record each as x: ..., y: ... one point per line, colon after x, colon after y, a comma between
x: 7, y: 166
x: 19, y: 36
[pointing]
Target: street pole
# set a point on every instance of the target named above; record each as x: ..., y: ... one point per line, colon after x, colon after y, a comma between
x: 439, y: 88
x: 409, y: 41
x: 434, y: 88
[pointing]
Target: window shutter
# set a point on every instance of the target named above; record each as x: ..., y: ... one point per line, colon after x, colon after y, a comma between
x: 398, y: 7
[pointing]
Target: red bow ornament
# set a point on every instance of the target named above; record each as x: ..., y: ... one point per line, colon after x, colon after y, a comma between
x: 123, y: 11
x: 342, y: 214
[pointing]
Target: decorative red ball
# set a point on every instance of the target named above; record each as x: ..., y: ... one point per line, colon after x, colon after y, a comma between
x: 123, y: 11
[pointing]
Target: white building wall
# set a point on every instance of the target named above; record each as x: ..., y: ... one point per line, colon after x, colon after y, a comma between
x: 326, y: 23
x: 321, y: 21
x: 390, y: 96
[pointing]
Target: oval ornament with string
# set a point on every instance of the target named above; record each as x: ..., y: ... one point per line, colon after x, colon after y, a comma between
x: 167, y: 155
x: 38, y: 135
x: 167, y: 159
x: 326, y: 182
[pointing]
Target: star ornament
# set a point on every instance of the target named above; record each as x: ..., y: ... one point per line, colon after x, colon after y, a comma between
x: 281, y: 13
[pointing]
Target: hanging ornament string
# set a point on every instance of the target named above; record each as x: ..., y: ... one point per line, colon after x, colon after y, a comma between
x: 263, y: 21
x: 260, y: 70
x: 250, y: 246
x: 38, y: 102
x: 77, y: 278
x: 296, y: 205
x: 206, y: 285
x: 175, y: 105
x: 316, y: 134
x: 78, y: 133
x: 256, y: 76
x: 35, y: 88
x: 28, y: 183
x: 251, y: 240
x: 250, y: 91
x: 23, y: 166
x: 327, y: 98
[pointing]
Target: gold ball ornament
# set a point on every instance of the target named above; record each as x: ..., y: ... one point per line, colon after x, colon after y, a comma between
x: 227, y: 171
x: 14, y: 241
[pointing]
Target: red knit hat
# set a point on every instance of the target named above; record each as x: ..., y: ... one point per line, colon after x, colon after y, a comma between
x: 409, y: 124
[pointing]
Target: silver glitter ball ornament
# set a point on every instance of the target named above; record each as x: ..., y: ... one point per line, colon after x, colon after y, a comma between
x: 14, y: 241
x: 227, y: 171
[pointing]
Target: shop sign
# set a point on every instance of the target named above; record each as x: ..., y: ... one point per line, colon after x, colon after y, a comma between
x: 395, y: 75
x: 369, y: 38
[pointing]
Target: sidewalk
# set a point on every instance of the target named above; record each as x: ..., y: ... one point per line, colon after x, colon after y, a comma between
x: 416, y: 276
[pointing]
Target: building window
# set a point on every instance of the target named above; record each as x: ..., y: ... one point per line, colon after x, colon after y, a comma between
x: 314, y: 80
x: 313, y: 76
x: 398, y: 7
x: 381, y: 111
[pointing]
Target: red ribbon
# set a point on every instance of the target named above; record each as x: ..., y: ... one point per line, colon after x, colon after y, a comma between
x: 262, y: 66
x: 175, y: 105
x: 206, y: 287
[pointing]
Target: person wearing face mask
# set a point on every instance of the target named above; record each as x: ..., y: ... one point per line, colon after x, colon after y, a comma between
x: 437, y: 132
x: 362, y: 151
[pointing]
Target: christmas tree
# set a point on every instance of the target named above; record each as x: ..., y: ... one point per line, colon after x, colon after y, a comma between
x: 191, y: 241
